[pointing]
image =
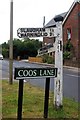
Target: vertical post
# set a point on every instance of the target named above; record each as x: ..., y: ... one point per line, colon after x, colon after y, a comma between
x: 11, y: 45
x: 1, y: 85
x: 43, y: 27
x: 58, y: 81
x: 46, y: 97
x: 43, y: 21
x: 20, y: 99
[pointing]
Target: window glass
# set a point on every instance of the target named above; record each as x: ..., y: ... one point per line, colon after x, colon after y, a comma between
x: 69, y: 34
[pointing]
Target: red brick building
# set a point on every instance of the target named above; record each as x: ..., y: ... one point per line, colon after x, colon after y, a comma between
x: 71, y: 27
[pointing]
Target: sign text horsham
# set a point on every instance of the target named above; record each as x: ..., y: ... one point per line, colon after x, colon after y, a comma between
x: 34, y: 32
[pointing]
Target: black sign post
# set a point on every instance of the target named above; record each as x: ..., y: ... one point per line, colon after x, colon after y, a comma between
x: 20, y: 99
x: 22, y: 73
x: 47, y: 85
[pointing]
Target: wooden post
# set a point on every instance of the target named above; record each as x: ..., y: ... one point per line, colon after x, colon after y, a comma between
x: 11, y: 45
x: 58, y: 81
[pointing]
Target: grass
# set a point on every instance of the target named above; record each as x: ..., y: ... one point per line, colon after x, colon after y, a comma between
x: 33, y: 103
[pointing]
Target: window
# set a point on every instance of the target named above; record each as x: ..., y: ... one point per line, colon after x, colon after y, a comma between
x: 69, y: 33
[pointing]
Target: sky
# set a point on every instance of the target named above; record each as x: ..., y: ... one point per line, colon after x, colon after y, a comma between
x: 28, y: 14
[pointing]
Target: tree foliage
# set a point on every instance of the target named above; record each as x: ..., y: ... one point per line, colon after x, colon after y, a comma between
x: 47, y: 59
x: 5, y: 49
x: 68, y: 46
x: 68, y: 52
x: 24, y: 48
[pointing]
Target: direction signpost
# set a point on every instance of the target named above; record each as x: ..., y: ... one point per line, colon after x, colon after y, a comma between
x: 57, y: 72
x: 35, y: 32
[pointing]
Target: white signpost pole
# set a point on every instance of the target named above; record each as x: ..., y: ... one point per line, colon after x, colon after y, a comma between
x: 58, y: 81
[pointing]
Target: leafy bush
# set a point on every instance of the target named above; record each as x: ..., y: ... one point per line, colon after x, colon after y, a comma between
x: 68, y: 52
x: 67, y: 55
x: 48, y: 59
x: 5, y: 53
x: 68, y: 46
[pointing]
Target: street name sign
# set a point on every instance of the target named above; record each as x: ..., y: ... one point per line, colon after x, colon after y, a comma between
x: 22, y: 73
x: 35, y: 32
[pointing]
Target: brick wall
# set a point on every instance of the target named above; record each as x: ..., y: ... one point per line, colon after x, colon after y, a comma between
x: 73, y: 22
x: 47, y: 40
